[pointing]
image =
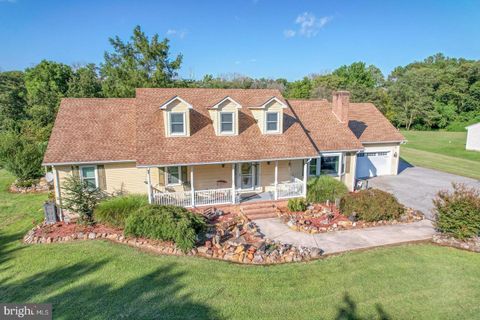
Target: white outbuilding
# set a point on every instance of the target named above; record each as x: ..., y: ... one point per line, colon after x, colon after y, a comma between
x: 473, y: 137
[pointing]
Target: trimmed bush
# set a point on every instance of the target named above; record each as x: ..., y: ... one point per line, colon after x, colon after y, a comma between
x: 458, y: 212
x: 168, y: 223
x: 323, y: 188
x: 114, y: 211
x: 297, y: 204
x: 371, y: 205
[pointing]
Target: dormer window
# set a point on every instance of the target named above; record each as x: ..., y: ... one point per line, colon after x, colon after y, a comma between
x: 177, y: 123
x: 272, y: 122
x: 226, y: 122
x: 224, y: 115
x: 176, y: 116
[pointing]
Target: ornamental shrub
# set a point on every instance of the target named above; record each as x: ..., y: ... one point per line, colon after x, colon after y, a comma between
x: 81, y: 198
x: 323, y: 188
x: 297, y: 204
x: 114, y: 211
x: 457, y: 212
x: 371, y: 205
x: 168, y: 223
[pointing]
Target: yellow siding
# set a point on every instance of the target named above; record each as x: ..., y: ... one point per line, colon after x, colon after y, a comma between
x: 349, y: 177
x: 125, y: 177
x: 286, y: 170
x: 209, y: 176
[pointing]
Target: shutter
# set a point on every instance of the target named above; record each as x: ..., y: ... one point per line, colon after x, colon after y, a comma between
x: 76, y: 171
x: 161, y: 177
x: 102, y: 179
x: 184, y: 173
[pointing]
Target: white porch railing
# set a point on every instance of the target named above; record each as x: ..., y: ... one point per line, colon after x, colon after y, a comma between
x: 184, y: 198
x: 290, y: 189
x: 220, y: 196
x: 181, y: 198
x: 213, y: 196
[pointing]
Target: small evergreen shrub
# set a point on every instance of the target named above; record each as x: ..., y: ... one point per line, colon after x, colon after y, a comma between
x: 26, y: 183
x: 458, y: 212
x: 323, y: 188
x: 371, y: 205
x: 114, y: 211
x: 80, y: 198
x: 168, y: 223
x: 297, y: 204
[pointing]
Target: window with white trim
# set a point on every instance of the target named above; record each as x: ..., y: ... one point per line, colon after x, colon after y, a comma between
x: 272, y: 121
x: 88, y: 174
x: 330, y: 164
x: 177, y: 123
x: 174, y: 176
x: 226, y: 122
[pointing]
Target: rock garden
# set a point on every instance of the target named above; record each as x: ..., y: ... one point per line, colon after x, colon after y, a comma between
x: 130, y: 220
x: 330, y: 207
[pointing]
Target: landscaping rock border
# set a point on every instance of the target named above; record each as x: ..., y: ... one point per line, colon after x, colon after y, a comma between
x: 235, y: 250
x: 41, y: 186
x: 472, y: 244
x: 302, y: 221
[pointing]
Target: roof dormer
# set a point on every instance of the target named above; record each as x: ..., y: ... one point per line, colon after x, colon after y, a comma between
x: 269, y: 116
x: 224, y: 115
x: 176, y: 117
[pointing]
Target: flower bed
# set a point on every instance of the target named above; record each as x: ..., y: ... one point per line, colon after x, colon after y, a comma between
x: 230, y: 237
x: 321, y: 218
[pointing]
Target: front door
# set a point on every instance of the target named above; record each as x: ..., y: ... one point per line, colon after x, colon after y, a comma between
x: 246, y: 176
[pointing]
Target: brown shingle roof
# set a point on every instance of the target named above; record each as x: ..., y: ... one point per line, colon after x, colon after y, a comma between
x: 203, y: 145
x: 88, y: 130
x: 323, y: 127
x: 370, y: 125
x: 95, y: 130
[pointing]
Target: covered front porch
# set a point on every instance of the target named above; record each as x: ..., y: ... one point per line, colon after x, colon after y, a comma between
x: 227, y: 183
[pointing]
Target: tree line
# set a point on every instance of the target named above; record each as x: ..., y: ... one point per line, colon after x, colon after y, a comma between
x: 437, y: 93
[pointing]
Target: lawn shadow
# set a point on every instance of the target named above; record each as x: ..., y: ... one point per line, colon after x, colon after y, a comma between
x: 7, y: 247
x: 349, y: 311
x: 155, y: 295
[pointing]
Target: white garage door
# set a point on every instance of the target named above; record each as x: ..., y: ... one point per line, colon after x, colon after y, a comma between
x: 371, y: 164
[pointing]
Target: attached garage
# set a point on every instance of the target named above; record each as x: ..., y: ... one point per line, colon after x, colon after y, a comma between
x: 372, y: 164
x: 378, y: 160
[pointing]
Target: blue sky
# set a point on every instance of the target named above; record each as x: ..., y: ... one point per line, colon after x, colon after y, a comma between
x: 258, y: 38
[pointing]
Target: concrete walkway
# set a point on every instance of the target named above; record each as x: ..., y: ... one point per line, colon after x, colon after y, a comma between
x: 339, y: 241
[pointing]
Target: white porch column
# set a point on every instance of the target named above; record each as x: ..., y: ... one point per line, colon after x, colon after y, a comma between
x: 58, y: 192
x: 192, y: 188
x: 149, y: 183
x: 305, y: 176
x: 275, y: 194
x: 233, y: 183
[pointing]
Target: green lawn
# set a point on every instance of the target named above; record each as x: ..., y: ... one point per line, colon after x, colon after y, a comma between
x: 102, y: 280
x: 444, y: 151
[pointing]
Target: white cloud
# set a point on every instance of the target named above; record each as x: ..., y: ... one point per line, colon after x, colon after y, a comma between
x: 308, y: 25
x: 177, y: 33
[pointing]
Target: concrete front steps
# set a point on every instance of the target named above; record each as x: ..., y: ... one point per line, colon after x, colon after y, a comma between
x: 259, y: 210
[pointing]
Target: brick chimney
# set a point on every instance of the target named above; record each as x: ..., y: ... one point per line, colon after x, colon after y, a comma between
x: 341, y: 104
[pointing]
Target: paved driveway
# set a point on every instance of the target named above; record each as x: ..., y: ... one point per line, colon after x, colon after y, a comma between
x: 415, y: 187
